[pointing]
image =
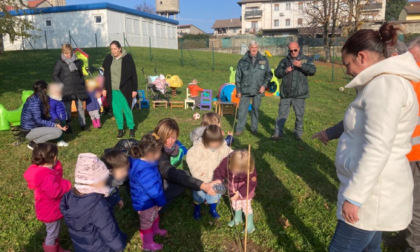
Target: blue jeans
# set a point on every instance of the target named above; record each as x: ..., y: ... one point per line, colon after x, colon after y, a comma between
x: 350, y: 239
x: 200, y: 197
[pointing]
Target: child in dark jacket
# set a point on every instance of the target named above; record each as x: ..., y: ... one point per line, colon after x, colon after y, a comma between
x: 234, y: 170
x: 118, y: 164
x: 57, y: 109
x: 92, y: 104
x: 45, y: 177
x: 87, y: 213
x: 146, y: 189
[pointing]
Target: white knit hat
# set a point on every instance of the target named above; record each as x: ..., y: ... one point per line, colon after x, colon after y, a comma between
x: 90, y: 169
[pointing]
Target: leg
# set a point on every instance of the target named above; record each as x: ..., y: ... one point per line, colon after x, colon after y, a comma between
x: 155, y: 226
x: 213, y: 201
x: 171, y: 191
x: 256, y: 103
x: 237, y: 219
x: 43, y: 134
x: 375, y: 243
x: 199, y: 197
x: 53, y: 230
x: 117, y: 108
x: 147, y: 217
x: 284, y: 108
x: 299, y: 108
x: 81, y: 112
x: 247, y: 209
x: 413, y: 230
x: 128, y: 114
x: 67, y: 104
x: 242, y: 113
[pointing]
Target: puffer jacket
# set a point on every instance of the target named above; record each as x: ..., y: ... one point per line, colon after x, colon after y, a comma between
x: 91, y: 223
x: 57, y: 111
x: 32, y: 115
x: 49, y: 187
x: 295, y: 83
x: 251, y: 77
x: 74, y: 84
x: 371, y: 161
x: 202, y: 161
x: 145, y: 185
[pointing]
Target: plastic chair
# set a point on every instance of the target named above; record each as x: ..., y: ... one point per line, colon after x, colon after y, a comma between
x: 142, y: 102
x: 188, y: 101
x: 317, y: 57
x: 206, y: 97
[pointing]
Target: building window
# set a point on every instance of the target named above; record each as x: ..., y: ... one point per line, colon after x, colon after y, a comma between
x: 48, y: 23
x: 254, y: 25
x: 288, y: 6
x: 300, y: 21
x: 276, y: 23
x: 98, y: 19
x: 276, y: 7
x: 300, y: 5
x: 287, y: 22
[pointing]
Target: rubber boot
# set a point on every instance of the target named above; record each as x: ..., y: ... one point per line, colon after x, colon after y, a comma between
x: 250, y: 228
x: 157, y: 230
x: 197, y: 211
x: 213, y: 210
x: 94, y: 123
x: 148, y: 242
x: 51, y: 248
x: 236, y: 220
x: 59, y: 248
x: 98, y: 123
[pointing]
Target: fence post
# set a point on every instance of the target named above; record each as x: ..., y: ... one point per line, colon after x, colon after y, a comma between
x: 182, y: 52
x: 150, y: 48
x: 46, y: 40
x: 212, y: 49
x: 96, y: 40
x: 69, y: 38
x: 332, y: 66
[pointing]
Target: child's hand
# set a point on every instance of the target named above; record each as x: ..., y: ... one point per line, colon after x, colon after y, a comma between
x: 230, y: 133
x: 121, y: 204
x: 98, y: 95
x: 235, y: 197
x: 139, y: 212
x: 217, y: 181
x: 159, y: 208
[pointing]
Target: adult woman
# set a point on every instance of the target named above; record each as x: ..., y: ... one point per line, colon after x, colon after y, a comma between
x: 120, y: 86
x: 68, y: 70
x: 174, y: 180
x: 376, y: 183
x: 34, y: 119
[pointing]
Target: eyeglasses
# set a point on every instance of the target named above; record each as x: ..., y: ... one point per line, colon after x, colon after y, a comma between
x: 295, y: 50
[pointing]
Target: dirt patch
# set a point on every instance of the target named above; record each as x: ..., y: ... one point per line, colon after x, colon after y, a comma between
x: 237, y: 246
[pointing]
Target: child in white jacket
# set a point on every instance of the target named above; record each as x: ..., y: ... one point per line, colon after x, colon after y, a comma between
x: 202, y: 159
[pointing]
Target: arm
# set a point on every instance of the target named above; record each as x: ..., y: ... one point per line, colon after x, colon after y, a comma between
x: 280, y: 71
x: 238, y: 79
x: 61, y: 112
x: 35, y: 110
x: 56, y: 71
x: 55, y: 189
x: 221, y: 171
x: 308, y: 68
x: 335, y: 131
x: 268, y: 75
x: 199, y: 89
x: 134, y: 81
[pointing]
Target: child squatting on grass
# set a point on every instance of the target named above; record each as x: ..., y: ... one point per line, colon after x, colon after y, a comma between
x: 233, y: 170
x: 45, y: 177
x: 117, y: 163
x: 210, y: 118
x: 87, y: 212
x: 147, y: 189
x: 202, y: 159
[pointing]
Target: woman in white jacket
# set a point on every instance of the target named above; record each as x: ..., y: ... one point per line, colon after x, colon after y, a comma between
x: 376, y: 183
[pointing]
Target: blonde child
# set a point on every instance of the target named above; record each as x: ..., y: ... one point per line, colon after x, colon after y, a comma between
x: 147, y: 189
x: 202, y: 159
x: 45, y: 177
x: 195, y: 90
x: 210, y: 118
x: 234, y: 170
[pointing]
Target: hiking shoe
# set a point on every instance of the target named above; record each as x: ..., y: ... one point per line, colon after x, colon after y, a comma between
x: 31, y: 145
x: 120, y: 134
x: 62, y: 144
x: 132, y: 133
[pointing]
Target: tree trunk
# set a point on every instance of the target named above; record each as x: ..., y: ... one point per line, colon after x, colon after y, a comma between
x: 327, y: 46
x: 1, y: 44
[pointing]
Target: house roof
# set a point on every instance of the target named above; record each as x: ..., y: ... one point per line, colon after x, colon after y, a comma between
x: 35, y: 3
x: 227, y: 23
x: 415, y: 9
x: 93, y: 6
x: 257, y: 1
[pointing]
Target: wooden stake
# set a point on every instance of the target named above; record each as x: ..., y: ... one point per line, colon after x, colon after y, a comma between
x: 247, y: 194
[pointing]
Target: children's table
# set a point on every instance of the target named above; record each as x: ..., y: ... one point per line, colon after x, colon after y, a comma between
x: 176, y: 104
x: 226, y: 108
x: 160, y: 104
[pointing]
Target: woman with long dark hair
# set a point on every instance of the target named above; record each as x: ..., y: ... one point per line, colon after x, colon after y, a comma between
x: 35, y: 123
x: 376, y: 182
x: 120, y: 86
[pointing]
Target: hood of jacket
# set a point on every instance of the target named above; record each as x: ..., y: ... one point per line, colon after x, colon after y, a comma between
x: 76, y: 208
x: 35, y: 174
x: 402, y: 65
x: 196, y: 134
x: 141, y: 164
x: 124, y: 53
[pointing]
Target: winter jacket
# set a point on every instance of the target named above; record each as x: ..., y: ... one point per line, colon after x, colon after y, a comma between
x: 74, y: 84
x: 92, y: 103
x: 91, y: 223
x: 146, y: 185
x: 197, y: 133
x: 194, y: 90
x: 371, y: 154
x: 129, y: 82
x: 57, y: 111
x: 33, y: 116
x: 49, y: 187
x: 202, y: 161
x: 295, y: 83
x: 236, y: 183
x: 114, y: 192
x: 251, y: 77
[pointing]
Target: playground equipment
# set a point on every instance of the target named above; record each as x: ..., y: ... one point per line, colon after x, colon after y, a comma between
x: 273, y: 88
x: 174, y: 82
x: 84, y: 57
x: 227, y: 93
x: 11, y: 118
x: 205, y: 102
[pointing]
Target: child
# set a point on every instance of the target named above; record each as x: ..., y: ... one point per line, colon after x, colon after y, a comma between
x: 118, y: 164
x: 45, y: 177
x: 210, y: 118
x: 87, y: 212
x: 57, y: 108
x: 202, y: 159
x: 92, y: 104
x: 234, y: 169
x: 194, y: 92
x: 146, y: 189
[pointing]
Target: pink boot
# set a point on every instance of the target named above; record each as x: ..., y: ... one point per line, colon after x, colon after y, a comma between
x: 148, y: 242
x: 94, y: 123
x: 157, y: 230
x: 98, y: 123
x: 59, y: 248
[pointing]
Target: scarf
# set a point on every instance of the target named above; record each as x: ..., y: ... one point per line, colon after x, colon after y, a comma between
x: 87, y: 189
x: 70, y: 62
x: 173, y: 151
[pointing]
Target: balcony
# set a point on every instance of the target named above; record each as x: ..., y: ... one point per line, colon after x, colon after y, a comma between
x: 253, y: 14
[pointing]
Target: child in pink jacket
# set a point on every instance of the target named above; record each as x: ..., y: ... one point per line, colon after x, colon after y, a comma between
x: 45, y: 177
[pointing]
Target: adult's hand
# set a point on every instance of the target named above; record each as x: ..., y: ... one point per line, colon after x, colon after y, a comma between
x: 322, y: 136
x: 289, y: 69
x: 297, y: 63
x: 104, y: 92
x: 349, y: 212
x: 262, y: 89
x: 208, y: 188
x: 134, y: 94
x: 61, y: 127
x: 238, y: 96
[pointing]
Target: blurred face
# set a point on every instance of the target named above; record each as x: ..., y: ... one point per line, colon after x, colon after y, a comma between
x: 294, y: 50
x: 214, y: 145
x: 115, y: 51
x: 236, y: 170
x: 100, y: 184
x: 415, y: 51
x: 253, y: 50
x: 54, y: 91
x: 153, y: 156
x: 120, y: 173
x: 170, y: 141
x: 67, y: 54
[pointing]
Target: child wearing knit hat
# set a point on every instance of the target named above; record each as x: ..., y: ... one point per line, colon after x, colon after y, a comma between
x: 87, y: 212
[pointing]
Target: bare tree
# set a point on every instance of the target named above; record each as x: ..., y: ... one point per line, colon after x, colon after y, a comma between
x: 145, y: 7
x: 356, y: 13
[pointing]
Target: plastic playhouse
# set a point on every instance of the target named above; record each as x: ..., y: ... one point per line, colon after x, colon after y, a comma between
x: 11, y: 118
x: 84, y: 57
x: 273, y: 88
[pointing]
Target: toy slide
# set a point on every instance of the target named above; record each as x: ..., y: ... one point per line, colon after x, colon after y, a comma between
x: 11, y: 118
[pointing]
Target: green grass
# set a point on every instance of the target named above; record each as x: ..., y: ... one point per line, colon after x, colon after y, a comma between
x: 296, y: 195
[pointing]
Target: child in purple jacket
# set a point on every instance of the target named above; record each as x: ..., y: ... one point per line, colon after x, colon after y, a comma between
x: 92, y: 104
x: 57, y: 109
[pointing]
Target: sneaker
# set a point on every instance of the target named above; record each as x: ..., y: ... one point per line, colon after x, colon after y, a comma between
x: 62, y: 144
x: 31, y: 145
x: 276, y: 137
x: 120, y: 134
x: 254, y: 132
x: 298, y: 138
x: 132, y: 133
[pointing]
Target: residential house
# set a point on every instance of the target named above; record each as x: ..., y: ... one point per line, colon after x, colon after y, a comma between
x: 227, y: 27
x: 410, y: 12
x: 188, y: 29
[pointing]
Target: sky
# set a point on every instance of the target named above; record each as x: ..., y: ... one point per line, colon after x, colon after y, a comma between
x: 201, y: 13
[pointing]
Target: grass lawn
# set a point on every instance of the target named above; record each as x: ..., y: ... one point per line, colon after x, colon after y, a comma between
x: 297, y: 186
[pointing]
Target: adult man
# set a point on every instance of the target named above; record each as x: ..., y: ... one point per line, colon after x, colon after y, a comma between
x: 294, y: 71
x: 252, y: 77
